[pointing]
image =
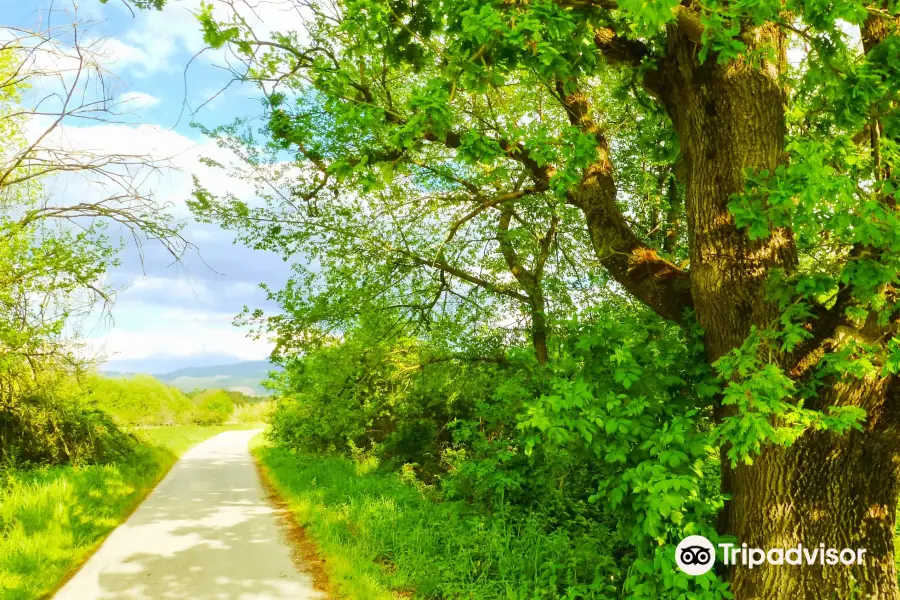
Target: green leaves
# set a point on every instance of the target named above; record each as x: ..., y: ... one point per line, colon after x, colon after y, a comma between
x: 626, y: 408
x: 214, y: 33
x: 476, y: 148
x: 647, y: 16
x: 892, y: 360
x: 418, y: 155
x: 768, y: 406
x: 430, y: 108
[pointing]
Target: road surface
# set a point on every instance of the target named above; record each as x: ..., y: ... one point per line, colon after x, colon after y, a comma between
x: 205, y: 533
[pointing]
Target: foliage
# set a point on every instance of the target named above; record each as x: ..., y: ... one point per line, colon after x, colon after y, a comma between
x: 448, y: 116
x: 363, y: 394
x: 55, y: 251
x: 603, y: 444
x: 455, y: 181
x: 52, y: 422
x: 238, y: 397
x: 213, y: 407
x: 381, y: 536
x: 139, y: 400
x: 44, y: 271
x: 620, y: 406
x: 253, y: 412
x: 767, y: 410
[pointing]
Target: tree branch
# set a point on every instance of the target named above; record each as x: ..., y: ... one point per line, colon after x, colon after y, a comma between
x: 618, y: 49
x: 656, y: 282
x: 438, y: 263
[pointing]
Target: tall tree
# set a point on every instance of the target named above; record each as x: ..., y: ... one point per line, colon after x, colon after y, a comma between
x: 779, y: 122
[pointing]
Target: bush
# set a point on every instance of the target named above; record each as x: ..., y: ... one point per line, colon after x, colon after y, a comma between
x: 387, y: 537
x: 257, y: 412
x: 213, y: 407
x: 52, y: 422
x: 366, y: 394
x: 600, y: 442
x: 140, y: 400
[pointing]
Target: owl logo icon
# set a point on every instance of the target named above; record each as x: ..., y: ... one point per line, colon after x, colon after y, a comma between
x: 695, y: 555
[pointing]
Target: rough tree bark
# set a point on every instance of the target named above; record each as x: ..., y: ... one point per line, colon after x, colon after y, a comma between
x: 841, y: 491
x: 838, y: 490
x: 638, y: 268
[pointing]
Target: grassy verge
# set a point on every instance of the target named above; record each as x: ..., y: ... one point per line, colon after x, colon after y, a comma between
x: 382, y: 539
x: 51, y: 519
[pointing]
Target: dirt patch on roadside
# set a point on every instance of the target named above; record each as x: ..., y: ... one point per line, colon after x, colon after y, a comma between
x: 304, y: 552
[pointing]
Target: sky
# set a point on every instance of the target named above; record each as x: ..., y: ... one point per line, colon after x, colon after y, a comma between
x: 168, y: 316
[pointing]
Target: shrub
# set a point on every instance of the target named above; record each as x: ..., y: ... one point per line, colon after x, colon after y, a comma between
x: 601, y: 442
x: 390, y: 394
x: 52, y: 422
x: 213, y: 407
x: 140, y: 400
x: 446, y: 550
x: 256, y: 412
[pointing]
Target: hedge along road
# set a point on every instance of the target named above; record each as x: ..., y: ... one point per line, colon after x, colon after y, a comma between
x: 205, y: 533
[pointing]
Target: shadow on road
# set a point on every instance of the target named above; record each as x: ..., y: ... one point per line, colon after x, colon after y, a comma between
x: 205, y: 533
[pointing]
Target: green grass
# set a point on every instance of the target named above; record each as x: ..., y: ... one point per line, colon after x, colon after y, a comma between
x: 382, y: 538
x: 51, y: 519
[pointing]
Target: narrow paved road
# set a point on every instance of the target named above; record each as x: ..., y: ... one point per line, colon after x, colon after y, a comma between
x: 205, y: 533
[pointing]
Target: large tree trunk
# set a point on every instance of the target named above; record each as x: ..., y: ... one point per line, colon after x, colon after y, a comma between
x: 840, y: 491
x: 826, y: 488
x: 729, y: 118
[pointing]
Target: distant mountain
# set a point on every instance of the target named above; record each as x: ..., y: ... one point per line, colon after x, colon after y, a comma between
x: 244, y: 377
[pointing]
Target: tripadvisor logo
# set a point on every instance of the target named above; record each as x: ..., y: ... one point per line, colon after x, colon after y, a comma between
x: 695, y: 555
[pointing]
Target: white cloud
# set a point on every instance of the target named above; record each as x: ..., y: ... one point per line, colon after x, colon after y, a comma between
x: 147, y: 331
x: 174, y: 289
x: 169, y: 314
x: 188, y: 290
x: 155, y: 39
x: 158, y: 37
x: 121, y: 56
x: 267, y: 17
x: 179, y: 154
x: 192, y: 335
x: 136, y: 100
x: 147, y: 327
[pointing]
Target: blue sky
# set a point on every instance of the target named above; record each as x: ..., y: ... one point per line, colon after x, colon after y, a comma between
x: 170, y: 315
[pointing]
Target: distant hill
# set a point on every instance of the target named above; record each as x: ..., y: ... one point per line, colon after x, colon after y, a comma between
x: 244, y: 377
